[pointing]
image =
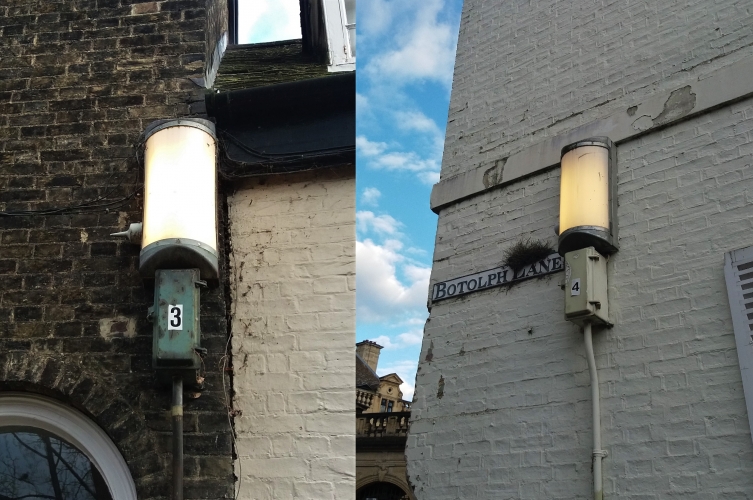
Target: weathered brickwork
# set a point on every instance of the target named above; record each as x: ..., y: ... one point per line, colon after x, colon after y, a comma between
x: 503, y: 405
x: 293, y: 289
x: 79, y: 81
x: 513, y: 418
x: 528, y: 70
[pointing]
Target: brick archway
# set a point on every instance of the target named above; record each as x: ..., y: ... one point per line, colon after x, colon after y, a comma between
x: 97, y: 397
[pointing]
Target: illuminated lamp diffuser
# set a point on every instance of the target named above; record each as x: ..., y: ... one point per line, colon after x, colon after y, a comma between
x: 588, y: 196
x: 180, y: 197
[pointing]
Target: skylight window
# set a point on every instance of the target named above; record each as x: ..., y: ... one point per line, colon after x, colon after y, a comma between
x: 268, y: 20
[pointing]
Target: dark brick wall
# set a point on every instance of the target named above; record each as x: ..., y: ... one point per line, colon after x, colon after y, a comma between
x: 79, y: 81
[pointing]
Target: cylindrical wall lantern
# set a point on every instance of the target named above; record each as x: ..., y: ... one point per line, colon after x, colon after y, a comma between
x: 180, y: 205
x: 588, y: 196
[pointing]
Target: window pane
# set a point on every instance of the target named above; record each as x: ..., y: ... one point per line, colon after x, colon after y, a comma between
x: 268, y: 20
x: 350, y: 24
x: 36, y: 464
x: 350, y: 11
x: 352, y: 39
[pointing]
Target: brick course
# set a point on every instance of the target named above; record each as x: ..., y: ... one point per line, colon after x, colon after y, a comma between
x: 79, y: 81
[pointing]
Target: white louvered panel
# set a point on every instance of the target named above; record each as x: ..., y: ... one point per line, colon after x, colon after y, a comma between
x: 738, y: 273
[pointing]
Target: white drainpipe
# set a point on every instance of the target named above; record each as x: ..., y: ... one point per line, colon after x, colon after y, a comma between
x: 598, y: 453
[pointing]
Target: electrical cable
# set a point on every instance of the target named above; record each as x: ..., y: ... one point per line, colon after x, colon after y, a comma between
x: 89, y: 206
x: 229, y: 168
x: 74, y: 209
x: 288, y: 155
x: 223, y: 369
x: 267, y: 171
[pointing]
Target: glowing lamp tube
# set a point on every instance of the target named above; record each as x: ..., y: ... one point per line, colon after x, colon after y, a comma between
x: 587, y: 197
x: 180, y: 205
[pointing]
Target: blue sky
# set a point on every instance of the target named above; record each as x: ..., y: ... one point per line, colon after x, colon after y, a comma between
x: 406, y: 53
x: 268, y: 20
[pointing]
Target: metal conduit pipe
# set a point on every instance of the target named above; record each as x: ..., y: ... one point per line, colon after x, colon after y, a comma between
x: 177, y: 417
x: 598, y: 453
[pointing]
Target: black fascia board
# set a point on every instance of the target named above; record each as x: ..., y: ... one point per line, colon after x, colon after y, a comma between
x: 290, y: 123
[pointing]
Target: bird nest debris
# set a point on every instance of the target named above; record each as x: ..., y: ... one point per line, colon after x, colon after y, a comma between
x: 525, y: 252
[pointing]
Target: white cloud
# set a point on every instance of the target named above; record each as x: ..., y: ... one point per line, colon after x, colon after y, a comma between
x: 369, y: 148
x: 381, y: 224
x: 406, y: 339
x: 429, y: 178
x: 374, y: 17
x: 405, y: 161
x: 371, y: 196
x: 268, y: 20
x: 416, y: 120
x: 362, y: 103
x: 426, y: 169
x: 408, y: 389
x: 412, y: 337
x: 417, y: 273
x: 424, y: 49
x: 384, y: 341
x: 417, y: 320
x: 381, y: 295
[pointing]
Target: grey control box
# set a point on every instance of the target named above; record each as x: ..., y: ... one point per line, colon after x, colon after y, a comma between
x: 586, y: 287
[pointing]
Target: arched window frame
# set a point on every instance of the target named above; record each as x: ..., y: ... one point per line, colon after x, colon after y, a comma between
x: 18, y: 409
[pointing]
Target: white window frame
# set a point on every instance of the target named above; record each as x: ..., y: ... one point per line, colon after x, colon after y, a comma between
x: 338, y: 41
x: 20, y: 409
x: 742, y: 326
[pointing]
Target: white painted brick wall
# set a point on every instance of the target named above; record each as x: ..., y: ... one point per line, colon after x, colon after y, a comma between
x: 293, y: 285
x: 514, y: 418
x: 526, y: 70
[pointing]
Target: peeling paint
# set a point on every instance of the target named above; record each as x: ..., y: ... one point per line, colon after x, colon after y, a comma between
x: 680, y: 103
x: 117, y: 327
x: 643, y: 122
x: 429, y: 353
x: 493, y: 175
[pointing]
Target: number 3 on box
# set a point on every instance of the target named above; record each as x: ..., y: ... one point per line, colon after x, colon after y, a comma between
x: 175, y: 317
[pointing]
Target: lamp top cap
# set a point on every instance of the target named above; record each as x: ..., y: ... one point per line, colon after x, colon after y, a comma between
x: 601, y: 141
x: 200, y: 123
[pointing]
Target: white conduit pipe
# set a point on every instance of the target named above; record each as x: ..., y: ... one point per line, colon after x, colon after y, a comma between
x: 598, y: 453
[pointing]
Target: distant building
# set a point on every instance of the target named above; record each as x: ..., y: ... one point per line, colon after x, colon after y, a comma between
x: 381, y: 394
x: 381, y: 428
x: 503, y: 405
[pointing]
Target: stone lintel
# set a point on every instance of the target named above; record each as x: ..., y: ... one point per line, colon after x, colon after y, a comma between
x: 724, y: 86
